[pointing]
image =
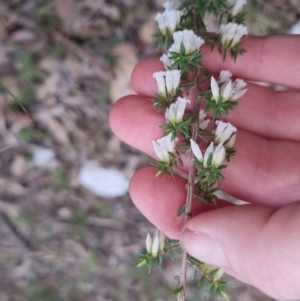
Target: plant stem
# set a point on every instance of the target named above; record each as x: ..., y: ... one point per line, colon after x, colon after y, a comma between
x: 192, y: 172
x: 190, y: 187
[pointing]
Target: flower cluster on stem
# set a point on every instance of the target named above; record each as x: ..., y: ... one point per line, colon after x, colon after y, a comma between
x: 225, y: 94
x: 184, y: 131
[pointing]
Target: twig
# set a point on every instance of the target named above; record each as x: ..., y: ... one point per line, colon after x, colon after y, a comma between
x: 18, y: 240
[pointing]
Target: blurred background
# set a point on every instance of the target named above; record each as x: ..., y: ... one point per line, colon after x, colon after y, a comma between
x: 68, y: 229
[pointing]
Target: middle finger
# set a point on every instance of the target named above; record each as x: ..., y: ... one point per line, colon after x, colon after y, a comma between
x: 262, y: 111
x: 264, y: 171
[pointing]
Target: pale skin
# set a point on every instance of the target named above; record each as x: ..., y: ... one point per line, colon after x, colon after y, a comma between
x: 258, y: 243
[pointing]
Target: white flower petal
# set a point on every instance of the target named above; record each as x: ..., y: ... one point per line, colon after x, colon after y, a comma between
x: 218, y: 155
x: 160, y: 81
x: 148, y: 243
x: 162, y: 239
x: 196, y: 150
x: 214, y: 88
x: 231, y: 141
x: 238, y: 94
x: 181, y: 105
x: 224, y: 76
x: 232, y: 33
x: 166, y: 61
x: 171, y: 114
x: 155, y: 245
x: 169, y: 6
x: 189, y: 39
x: 157, y: 150
x: 160, y: 19
x: 168, y: 20
x: 208, y: 152
x: 239, y: 84
x: 237, y: 6
x: 226, y: 90
x: 204, y: 124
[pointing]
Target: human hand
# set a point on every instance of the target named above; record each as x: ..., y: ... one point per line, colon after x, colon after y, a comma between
x: 257, y: 243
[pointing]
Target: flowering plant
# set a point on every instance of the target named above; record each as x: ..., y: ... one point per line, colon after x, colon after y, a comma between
x: 208, y: 143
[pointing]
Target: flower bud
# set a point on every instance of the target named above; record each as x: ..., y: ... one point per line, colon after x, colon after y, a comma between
x: 148, y: 243
x: 218, y: 274
x: 162, y: 241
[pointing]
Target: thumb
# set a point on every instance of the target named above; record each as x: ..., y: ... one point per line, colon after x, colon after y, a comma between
x: 257, y: 244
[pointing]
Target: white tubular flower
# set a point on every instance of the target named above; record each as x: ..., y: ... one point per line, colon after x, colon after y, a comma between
x: 232, y: 34
x: 238, y: 89
x: 196, y: 150
x: 148, y: 243
x: 163, y: 146
x: 172, y: 80
x: 208, y: 152
x: 224, y: 131
x: 218, y: 155
x: 160, y: 80
x: 203, y: 123
x: 155, y: 244
x: 166, y: 61
x: 237, y: 6
x: 168, y: 20
x: 167, y: 81
x: 214, y: 89
x: 175, y: 112
x: 189, y: 39
x: 228, y: 90
x: 224, y: 76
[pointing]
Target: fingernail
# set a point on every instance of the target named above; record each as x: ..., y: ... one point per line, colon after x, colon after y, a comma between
x: 204, y: 247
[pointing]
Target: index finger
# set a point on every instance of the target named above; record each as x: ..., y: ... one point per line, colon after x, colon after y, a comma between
x: 273, y: 59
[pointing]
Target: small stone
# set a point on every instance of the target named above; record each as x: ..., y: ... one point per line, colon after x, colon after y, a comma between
x: 42, y: 156
x: 64, y: 213
x: 103, y: 182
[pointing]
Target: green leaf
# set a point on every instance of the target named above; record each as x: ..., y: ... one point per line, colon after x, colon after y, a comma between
x: 173, y: 241
x: 188, y: 84
x: 142, y: 263
x: 181, y: 210
x: 206, y: 133
x: 159, y: 260
x: 177, y: 291
x: 200, y: 198
x: 224, y: 294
